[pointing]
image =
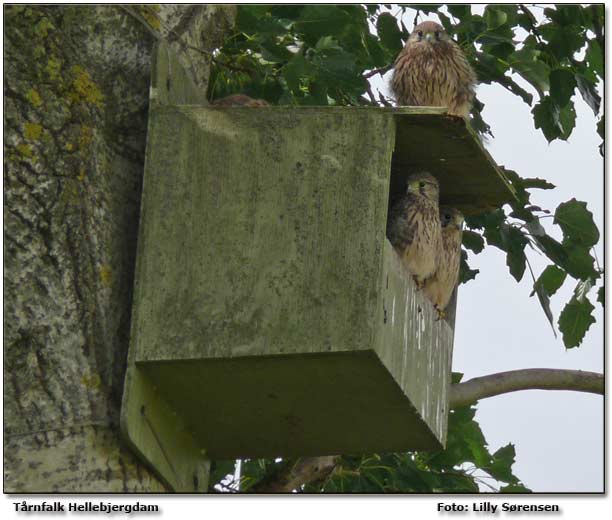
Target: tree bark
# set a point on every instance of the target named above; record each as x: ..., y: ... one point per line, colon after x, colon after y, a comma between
x: 295, y: 473
x: 469, y: 392
x: 76, y: 100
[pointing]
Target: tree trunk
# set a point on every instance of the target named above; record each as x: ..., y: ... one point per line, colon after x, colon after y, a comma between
x: 76, y: 99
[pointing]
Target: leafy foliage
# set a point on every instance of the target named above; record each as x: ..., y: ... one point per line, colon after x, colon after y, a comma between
x: 575, y: 320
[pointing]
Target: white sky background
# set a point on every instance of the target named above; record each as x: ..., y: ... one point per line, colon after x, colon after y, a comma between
x: 558, y: 436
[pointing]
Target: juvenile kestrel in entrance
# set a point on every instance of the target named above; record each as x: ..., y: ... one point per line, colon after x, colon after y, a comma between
x: 239, y: 100
x: 440, y: 286
x: 414, y: 226
x: 431, y: 70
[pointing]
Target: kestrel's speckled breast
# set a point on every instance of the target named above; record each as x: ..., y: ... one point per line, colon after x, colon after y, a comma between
x: 421, y: 258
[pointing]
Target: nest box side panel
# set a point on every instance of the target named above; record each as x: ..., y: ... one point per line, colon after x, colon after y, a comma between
x: 262, y: 231
x: 414, y: 345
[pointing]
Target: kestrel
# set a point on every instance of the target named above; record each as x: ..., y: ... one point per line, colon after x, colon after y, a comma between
x: 432, y: 70
x: 440, y: 286
x: 414, y: 226
x: 239, y: 100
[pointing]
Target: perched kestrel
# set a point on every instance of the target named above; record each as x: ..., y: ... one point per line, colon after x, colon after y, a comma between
x: 239, y: 100
x: 439, y: 287
x: 431, y: 70
x: 414, y: 227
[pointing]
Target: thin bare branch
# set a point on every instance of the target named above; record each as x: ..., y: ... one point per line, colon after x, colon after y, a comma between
x: 381, y: 71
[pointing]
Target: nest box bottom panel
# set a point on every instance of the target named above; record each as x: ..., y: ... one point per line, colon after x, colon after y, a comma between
x: 294, y: 405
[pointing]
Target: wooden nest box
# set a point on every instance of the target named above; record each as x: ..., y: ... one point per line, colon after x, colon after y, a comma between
x: 271, y: 315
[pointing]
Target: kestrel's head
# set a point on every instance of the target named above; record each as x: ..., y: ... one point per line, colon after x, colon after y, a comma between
x: 425, y: 185
x: 451, y: 218
x: 427, y: 33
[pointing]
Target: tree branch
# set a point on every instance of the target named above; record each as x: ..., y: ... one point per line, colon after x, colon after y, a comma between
x: 469, y: 392
x: 382, y: 71
x: 295, y: 473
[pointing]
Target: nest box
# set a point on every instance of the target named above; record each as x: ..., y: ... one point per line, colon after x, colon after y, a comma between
x: 271, y: 316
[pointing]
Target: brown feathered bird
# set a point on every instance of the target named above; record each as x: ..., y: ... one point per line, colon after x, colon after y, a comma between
x: 414, y: 227
x: 440, y: 286
x: 432, y: 70
x: 239, y: 100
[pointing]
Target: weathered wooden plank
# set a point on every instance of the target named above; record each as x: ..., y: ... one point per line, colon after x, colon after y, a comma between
x: 293, y: 405
x: 263, y: 234
x: 414, y: 345
x: 170, y: 83
x: 160, y: 436
x: 469, y: 178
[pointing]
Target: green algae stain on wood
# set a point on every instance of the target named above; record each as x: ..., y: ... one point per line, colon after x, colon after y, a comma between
x: 269, y: 238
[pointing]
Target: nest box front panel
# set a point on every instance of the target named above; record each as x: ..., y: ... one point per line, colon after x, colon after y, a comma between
x: 261, y: 235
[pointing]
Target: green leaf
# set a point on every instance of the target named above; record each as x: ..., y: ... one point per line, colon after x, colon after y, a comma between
x: 248, y: 17
x: 389, y: 33
x: 546, y: 118
x: 501, y: 468
x: 494, y: 17
x: 555, y: 122
x: 534, y: 182
x: 473, y: 241
x: 544, y: 300
x: 594, y: 57
x: 219, y: 469
x: 588, y: 91
x: 563, y: 41
x: 295, y: 71
x: 273, y: 52
x: 582, y: 289
x: 551, y: 279
x: 601, y: 126
x: 316, y: 21
x: 552, y: 249
x: 547, y: 284
x: 562, y: 86
x: 601, y: 295
x: 565, y: 14
x: 465, y: 273
x: 580, y: 263
x: 567, y: 120
x: 514, y: 488
x: 575, y: 320
x: 459, y: 11
x: 577, y: 223
x: 514, y: 242
x: 377, y: 53
x: 527, y: 62
x: 456, y: 377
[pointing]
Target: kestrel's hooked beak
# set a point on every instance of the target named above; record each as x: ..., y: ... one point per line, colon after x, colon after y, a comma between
x: 429, y: 37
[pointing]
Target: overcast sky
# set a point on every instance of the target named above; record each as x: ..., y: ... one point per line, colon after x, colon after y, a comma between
x: 558, y: 436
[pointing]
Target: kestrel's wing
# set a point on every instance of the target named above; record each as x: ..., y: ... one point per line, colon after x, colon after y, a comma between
x: 402, y: 223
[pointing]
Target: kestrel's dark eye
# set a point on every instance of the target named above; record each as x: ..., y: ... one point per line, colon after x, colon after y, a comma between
x: 420, y: 33
x: 421, y: 184
x: 437, y: 33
